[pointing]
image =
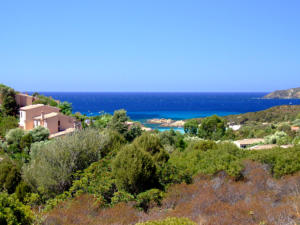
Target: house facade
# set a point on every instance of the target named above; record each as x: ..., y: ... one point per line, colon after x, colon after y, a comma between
x: 22, y: 99
x: 32, y: 116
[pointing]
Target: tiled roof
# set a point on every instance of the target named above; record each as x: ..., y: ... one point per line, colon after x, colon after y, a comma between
x: 31, y: 107
x: 46, y: 116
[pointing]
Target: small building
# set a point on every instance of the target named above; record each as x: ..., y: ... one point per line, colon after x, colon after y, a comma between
x: 47, y: 116
x: 245, y: 143
x: 22, y: 99
x: 262, y: 147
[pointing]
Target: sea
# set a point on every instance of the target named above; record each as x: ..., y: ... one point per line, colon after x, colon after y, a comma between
x: 177, y: 106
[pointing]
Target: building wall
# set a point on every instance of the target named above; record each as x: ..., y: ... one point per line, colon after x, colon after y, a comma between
x: 24, y: 100
x: 66, y: 122
x: 30, y: 114
x: 52, y: 124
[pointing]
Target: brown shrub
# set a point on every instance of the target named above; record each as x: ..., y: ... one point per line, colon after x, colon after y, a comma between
x: 258, y: 199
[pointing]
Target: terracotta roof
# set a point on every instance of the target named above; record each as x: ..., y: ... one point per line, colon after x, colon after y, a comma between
x: 260, y: 147
x: 249, y: 141
x: 22, y: 94
x: 31, y: 107
x: 46, y: 116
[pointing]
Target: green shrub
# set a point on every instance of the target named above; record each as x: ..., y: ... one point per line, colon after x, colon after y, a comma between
x: 39, y: 134
x: 151, y: 143
x: 22, y: 190
x: 282, y: 161
x: 65, y: 108
x: 118, y: 120
x: 148, y: 199
x: 191, y: 127
x: 13, y: 212
x: 10, y: 175
x: 212, y: 127
x: 53, y: 167
x: 134, y: 170
x: 121, y: 196
x: 26, y: 141
x: 279, y: 137
x: 204, y: 145
x: 9, y: 105
x: 14, y: 136
x: 7, y: 123
x: 102, y: 121
x: 169, y: 221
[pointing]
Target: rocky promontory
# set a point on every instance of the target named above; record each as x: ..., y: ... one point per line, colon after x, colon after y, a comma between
x: 293, y: 93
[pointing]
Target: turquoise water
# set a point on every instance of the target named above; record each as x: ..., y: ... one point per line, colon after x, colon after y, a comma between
x: 176, y: 106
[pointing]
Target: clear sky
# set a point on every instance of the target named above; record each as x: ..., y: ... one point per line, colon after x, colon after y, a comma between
x: 150, y: 45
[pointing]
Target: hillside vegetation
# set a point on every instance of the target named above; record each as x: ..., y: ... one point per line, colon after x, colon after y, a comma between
x: 112, y: 172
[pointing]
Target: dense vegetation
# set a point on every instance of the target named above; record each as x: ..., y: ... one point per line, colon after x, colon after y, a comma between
x: 112, y: 172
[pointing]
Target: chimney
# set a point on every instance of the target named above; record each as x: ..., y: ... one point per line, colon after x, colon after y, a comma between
x: 42, y: 116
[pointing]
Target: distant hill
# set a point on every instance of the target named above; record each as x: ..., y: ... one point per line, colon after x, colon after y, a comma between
x: 285, y: 94
x: 274, y: 114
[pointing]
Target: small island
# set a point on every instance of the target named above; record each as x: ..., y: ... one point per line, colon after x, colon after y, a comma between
x: 292, y: 93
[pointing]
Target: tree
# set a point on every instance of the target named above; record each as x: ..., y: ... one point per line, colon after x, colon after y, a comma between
x: 7, y: 123
x: 65, y: 108
x: 39, y: 134
x: 191, y: 127
x: 9, y: 105
x: 118, y: 121
x: 134, y: 170
x: 13, y: 212
x: 212, y: 127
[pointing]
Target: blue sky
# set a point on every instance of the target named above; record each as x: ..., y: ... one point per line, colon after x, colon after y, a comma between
x: 150, y: 45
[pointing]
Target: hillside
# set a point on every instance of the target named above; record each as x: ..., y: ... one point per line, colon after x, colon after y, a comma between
x: 273, y: 114
x: 284, y: 94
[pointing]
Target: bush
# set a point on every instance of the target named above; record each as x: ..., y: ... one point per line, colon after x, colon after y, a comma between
x: 134, y: 170
x: 169, y: 221
x: 133, y: 132
x: 26, y: 141
x: 149, y: 199
x: 14, y: 136
x: 151, y: 143
x: 212, y: 127
x: 13, y: 212
x: 191, y: 127
x: 118, y: 120
x: 39, y: 134
x: 53, y: 167
x: 279, y: 137
x: 10, y: 175
x: 22, y: 190
x: 121, y: 196
x: 7, y: 123
x: 204, y: 145
x: 65, y: 108
x: 102, y: 121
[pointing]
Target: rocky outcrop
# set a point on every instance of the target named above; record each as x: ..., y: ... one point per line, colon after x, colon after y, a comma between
x: 166, y: 122
x: 292, y: 93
